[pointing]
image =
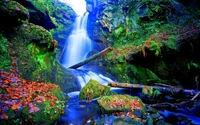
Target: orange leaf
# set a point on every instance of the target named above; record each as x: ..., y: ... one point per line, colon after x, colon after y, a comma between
x: 16, y: 106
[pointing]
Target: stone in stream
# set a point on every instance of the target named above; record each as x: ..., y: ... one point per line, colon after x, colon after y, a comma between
x: 120, y: 103
x: 92, y: 90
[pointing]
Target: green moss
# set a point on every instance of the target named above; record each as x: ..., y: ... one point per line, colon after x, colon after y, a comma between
x: 2, y: 91
x: 40, y: 6
x: 171, y: 43
x: 120, y: 103
x: 12, y: 120
x: 92, y: 90
x: 133, y: 73
x: 48, y: 114
x: 58, y: 93
x: 4, y: 54
x: 17, y: 11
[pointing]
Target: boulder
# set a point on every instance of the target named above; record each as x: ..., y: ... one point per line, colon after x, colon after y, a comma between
x: 12, y: 14
x: 29, y: 102
x: 93, y: 90
x: 39, y: 14
x: 120, y: 103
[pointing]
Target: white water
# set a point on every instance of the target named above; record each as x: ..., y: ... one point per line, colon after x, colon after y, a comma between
x: 78, y: 43
x: 76, y: 48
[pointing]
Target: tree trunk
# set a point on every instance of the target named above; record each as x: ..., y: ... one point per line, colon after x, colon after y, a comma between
x: 103, y: 52
x: 160, y: 88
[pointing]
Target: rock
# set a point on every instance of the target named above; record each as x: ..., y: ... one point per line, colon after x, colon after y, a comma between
x: 33, y: 47
x: 29, y: 102
x: 64, y: 17
x: 116, y: 120
x: 4, y: 53
x: 39, y: 14
x: 93, y: 90
x: 120, y: 103
x: 13, y: 14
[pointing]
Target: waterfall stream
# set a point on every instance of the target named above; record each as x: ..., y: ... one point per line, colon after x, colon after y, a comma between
x: 78, y: 43
x: 76, y: 49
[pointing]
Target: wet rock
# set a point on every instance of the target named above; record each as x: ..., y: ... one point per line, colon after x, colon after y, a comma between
x: 139, y: 113
x: 116, y: 120
x: 93, y: 90
x: 120, y: 103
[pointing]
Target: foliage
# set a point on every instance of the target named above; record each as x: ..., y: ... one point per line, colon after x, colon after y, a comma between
x: 149, y: 92
x: 120, y: 103
x: 93, y: 90
x: 132, y: 73
x: 4, y: 53
x: 30, y: 98
x: 193, y: 64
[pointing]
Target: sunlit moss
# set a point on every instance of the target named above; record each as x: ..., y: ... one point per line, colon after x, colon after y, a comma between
x: 92, y: 90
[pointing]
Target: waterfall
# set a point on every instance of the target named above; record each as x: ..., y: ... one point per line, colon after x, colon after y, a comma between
x: 76, y: 48
x: 78, y: 43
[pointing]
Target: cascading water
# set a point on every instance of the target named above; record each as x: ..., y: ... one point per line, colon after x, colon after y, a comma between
x: 77, y: 47
x: 78, y: 43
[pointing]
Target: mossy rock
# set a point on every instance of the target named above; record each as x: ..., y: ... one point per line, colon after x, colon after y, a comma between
x: 17, y: 11
x: 33, y: 47
x: 132, y: 73
x: 32, y: 33
x: 39, y: 14
x: 12, y: 12
x: 120, y: 103
x: 47, y: 115
x: 32, y: 103
x: 93, y: 90
x: 4, y: 54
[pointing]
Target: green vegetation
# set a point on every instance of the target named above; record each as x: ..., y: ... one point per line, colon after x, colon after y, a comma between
x: 120, y: 103
x: 93, y: 90
x: 4, y: 53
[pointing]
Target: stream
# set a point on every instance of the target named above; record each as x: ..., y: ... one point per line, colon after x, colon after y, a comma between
x: 76, y: 49
x: 82, y: 113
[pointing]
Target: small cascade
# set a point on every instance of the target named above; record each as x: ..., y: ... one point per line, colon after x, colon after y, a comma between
x: 84, y: 76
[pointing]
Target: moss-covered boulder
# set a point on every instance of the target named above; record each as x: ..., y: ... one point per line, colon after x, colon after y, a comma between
x: 13, y: 12
x: 30, y: 52
x: 39, y: 14
x: 120, y: 103
x: 29, y: 102
x: 93, y: 90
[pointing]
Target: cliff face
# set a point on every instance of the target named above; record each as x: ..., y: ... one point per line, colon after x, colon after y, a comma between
x: 153, y: 41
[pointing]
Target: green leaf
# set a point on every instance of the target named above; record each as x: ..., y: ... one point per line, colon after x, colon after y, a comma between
x: 157, y: 52
x: 194, y: 64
